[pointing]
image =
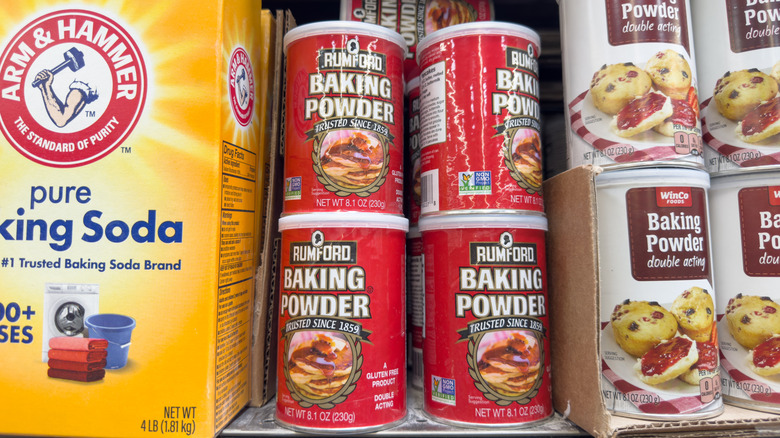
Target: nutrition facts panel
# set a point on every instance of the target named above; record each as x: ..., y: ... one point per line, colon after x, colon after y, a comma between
x: 236, y: 275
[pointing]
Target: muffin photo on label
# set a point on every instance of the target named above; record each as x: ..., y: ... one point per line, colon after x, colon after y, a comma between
x: 675, y: 343
x: 753, y: 340
x: 742, y: 118
x: 656, y: 96
x: 750, y: 348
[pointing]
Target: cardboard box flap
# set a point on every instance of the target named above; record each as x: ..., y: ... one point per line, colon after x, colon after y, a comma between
x: 734, y: 422
x: 570, y: 201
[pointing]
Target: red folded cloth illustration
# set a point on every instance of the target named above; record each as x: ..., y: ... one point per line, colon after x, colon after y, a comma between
x: 76, y: 366
x: 77, y: 343
x: 78, y: 356
x: 80, y: 376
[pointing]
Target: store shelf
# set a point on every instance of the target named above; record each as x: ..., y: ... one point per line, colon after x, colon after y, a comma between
x: 260, y: 422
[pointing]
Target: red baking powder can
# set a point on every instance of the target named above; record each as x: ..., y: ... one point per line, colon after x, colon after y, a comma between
x: 480, y: 119
x: 415, y: 305
x: 344, y: 119
x: 486, y: 350
x: 342, y: 331
x: 413, y: 187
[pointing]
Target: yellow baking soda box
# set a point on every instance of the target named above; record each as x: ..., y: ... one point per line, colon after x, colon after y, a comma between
x: 129, y: 215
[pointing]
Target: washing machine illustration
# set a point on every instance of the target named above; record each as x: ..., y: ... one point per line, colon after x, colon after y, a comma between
x: 65, y: 307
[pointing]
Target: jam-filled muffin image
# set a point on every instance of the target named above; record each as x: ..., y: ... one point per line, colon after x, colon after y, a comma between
x: 527, y: 156
x: 667, y: 360
x: 614, y: 86
x: 737, y: 93
x: 760, y: 123
x: 764, y: 360
x: 671, y: 73
x: 642, y: 114
x: 695, y: 313
x: 509, y: 361
x: 443, y: 13
x: 351, y: 158
x: 706, y: 366
x: 319, y: 363
x: 752, y: 319
x: 683, y: 114
x: 639, y: 326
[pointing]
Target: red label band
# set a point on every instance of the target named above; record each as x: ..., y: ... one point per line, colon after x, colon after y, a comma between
x: 759, y: 214
x: 668, y: 233
x: 647, y: 21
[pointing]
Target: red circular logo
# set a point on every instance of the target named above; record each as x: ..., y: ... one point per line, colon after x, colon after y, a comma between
x: 241, y: 86
x: 73, y: 88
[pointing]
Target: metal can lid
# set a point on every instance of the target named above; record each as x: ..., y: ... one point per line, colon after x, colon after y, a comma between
x: 760, y: 176
x: 659, y: 176
x: 344, y: 220
x: 450, y: 222
x: 340, y: 27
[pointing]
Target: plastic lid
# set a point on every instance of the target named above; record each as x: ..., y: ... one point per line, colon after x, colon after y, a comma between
x: 451, y: 222
x: 479, y: 28
x: 662, y: 176
x: 344, y: 220
x: 343, y: 27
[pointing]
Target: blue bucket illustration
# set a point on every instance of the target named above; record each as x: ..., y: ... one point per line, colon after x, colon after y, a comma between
x: 116, y: 329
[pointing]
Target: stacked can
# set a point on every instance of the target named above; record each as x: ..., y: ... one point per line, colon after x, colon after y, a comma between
x: 486, y: 350
x: 341, y: 359
x: 414, y: 19
x: 415, y: 304
x: 631, y: 99
x: 739, y: 70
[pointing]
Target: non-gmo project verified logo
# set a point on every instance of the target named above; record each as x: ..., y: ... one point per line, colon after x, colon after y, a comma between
x: 292, y: 188
x: 443, y: 390
x: 474, y: 183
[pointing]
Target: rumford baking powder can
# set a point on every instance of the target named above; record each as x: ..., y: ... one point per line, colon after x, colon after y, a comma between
x: 746, y: 218
x: 341, y: 358
x: 414, y: 19
x: 415, y: 304
x: 486, y: 350
x: 659, y: 339
x: 630, y: 86
x: 413, y: 187
x: 344, y: 119
x: 739, y: 70
x: 479, y: 113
